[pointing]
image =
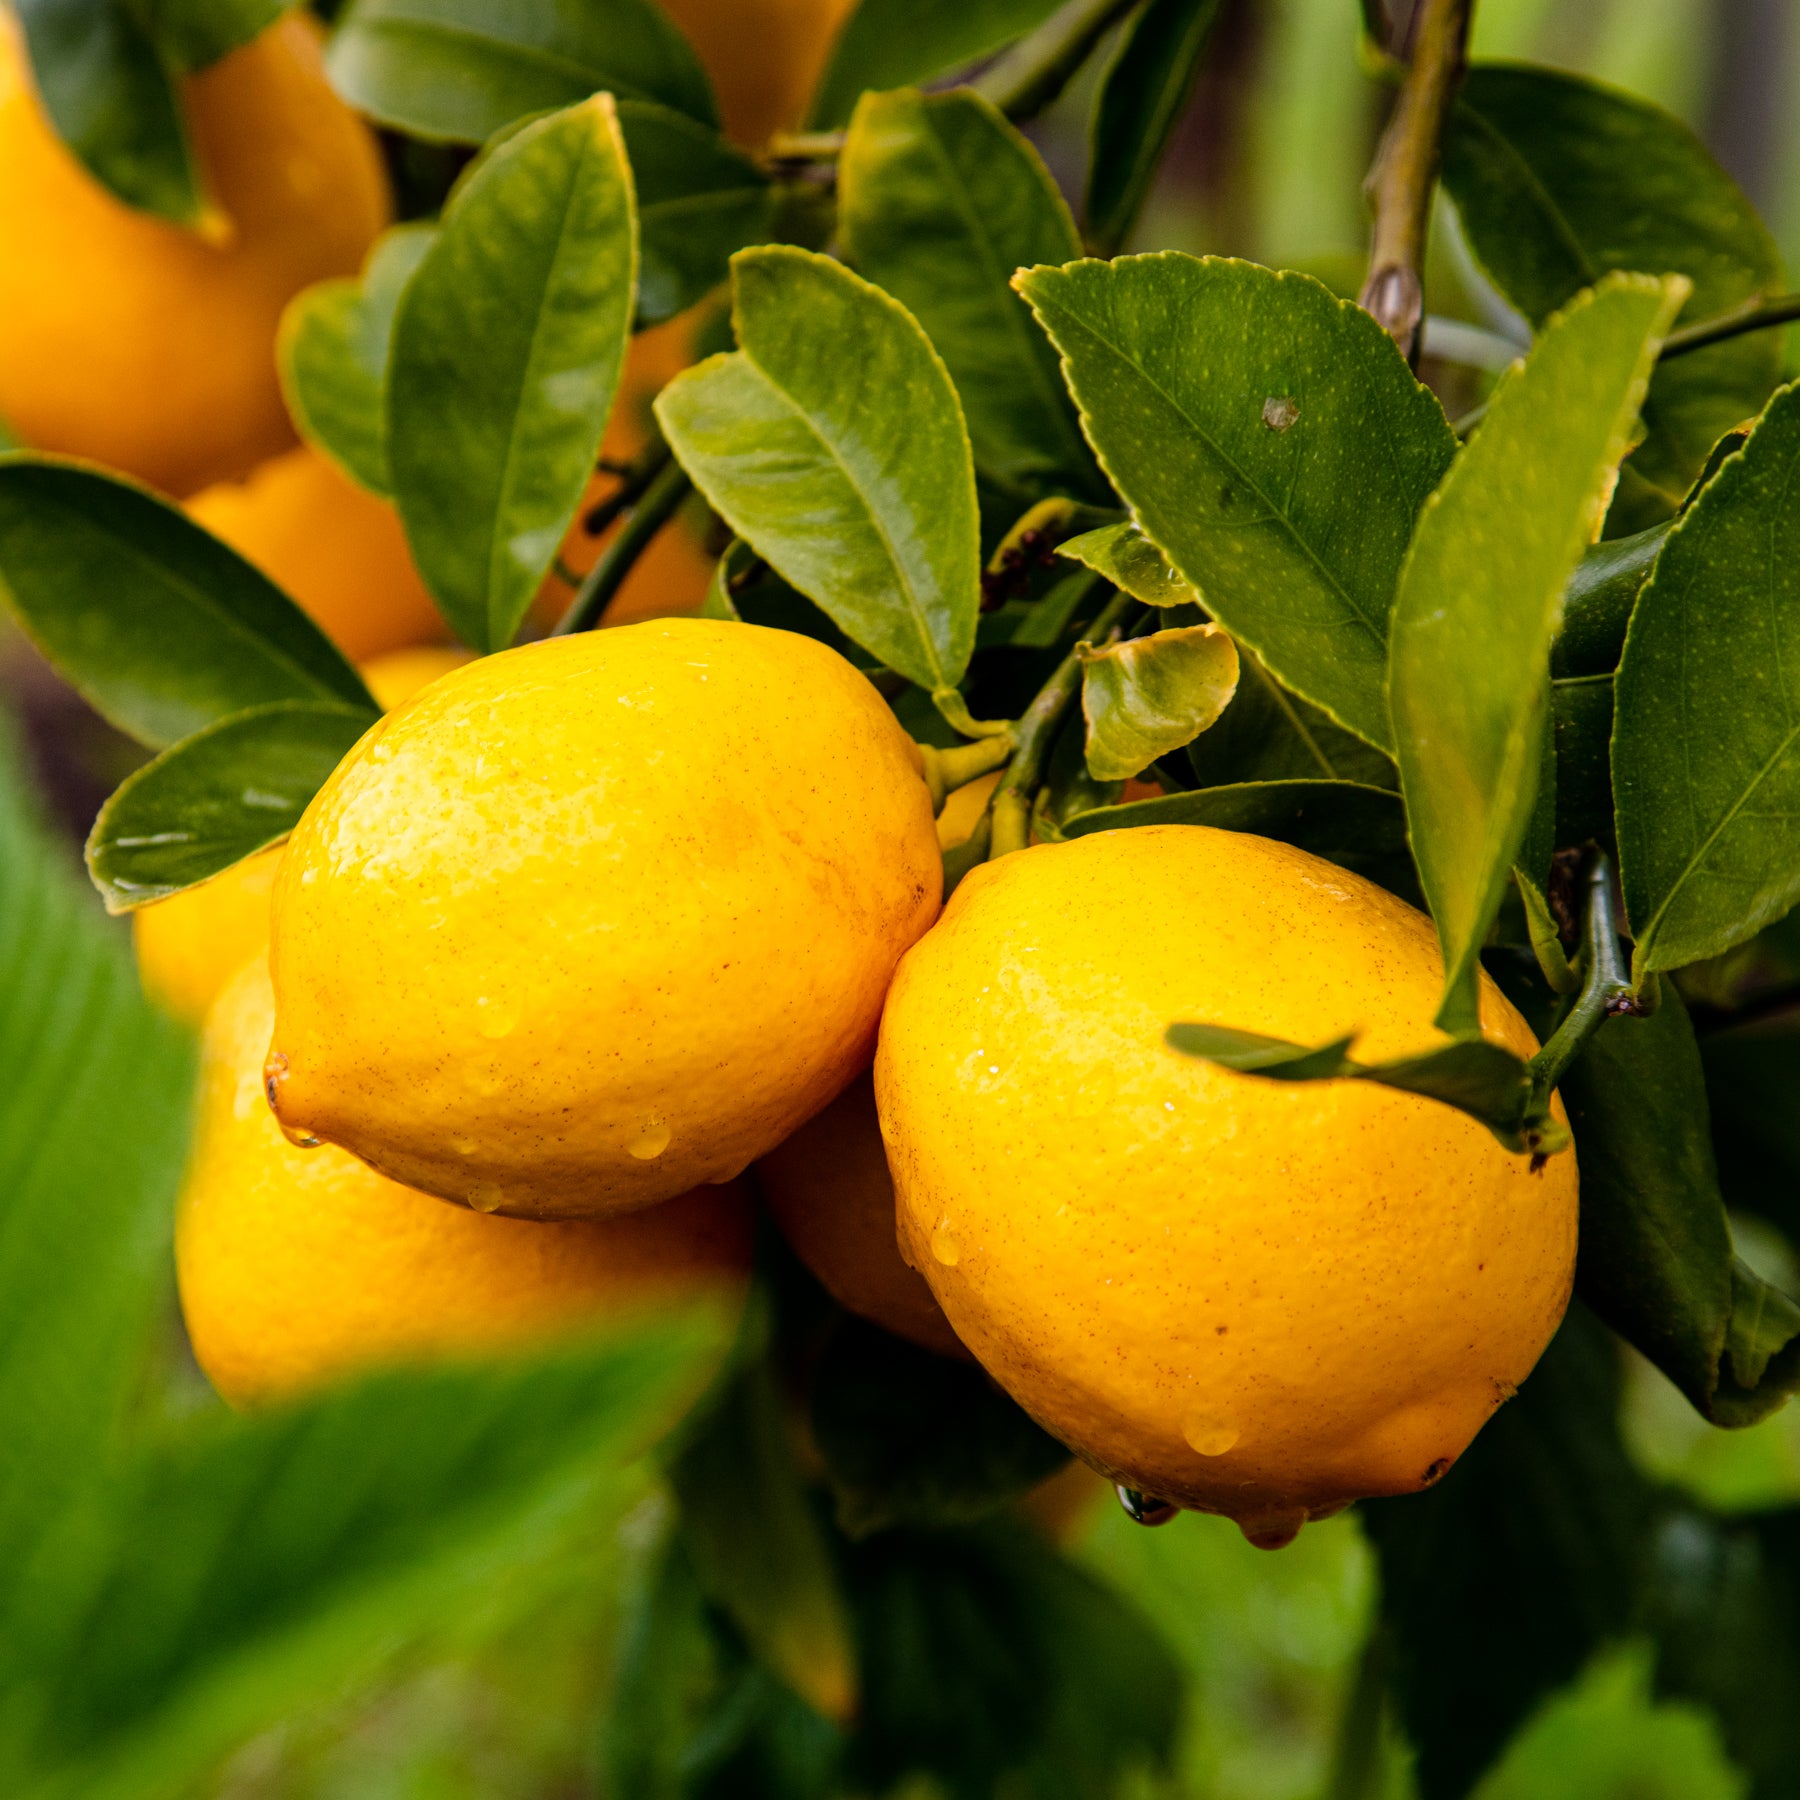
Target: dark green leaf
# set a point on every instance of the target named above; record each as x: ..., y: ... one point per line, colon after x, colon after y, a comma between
x: 1149, y: 695
x: 791, y: 439
x: 333, y: 349
x: 699, y: 200
x: 1656, y: 1259
x: 1480, y: 598
x: 1559, y: 180
x: 112, y: 100
x: 155, y: 621
x: 1270, y: 440
x: 1706, y: 746
x: 897, y: 43
x: 940, y: 200
x: 1598, y: 601
x: 1130, y: 561
x: 758, y: 1548
x: 464, y: 69
x: 1581, y: 715
x: 1253, y: 1053
x: 1752, y: 1077
x: 910, y: 1438
x: 193, y: 34
x: 1333, y: 819
x: 507, y: 351
x: 1142, y: 96
x: 231, y: 789
x: 1498, y: 1584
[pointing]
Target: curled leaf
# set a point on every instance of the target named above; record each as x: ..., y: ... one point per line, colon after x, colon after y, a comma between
x: 1150, y: 695
x: 1130, y: 561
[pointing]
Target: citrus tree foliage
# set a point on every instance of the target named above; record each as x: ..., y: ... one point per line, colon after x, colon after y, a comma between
x: 1086, y: 519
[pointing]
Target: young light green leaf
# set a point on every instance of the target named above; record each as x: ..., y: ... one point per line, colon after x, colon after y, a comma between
x: 1270, y: 440
x: 1143, y: 94
x: 899, y: 43
x: 1147, y: 696
x: 699, y: 200
x: 1481, y: 595
x: 111, y: 98
x: 464, y: 69
x: 1130, y: 561
x: 1559, y: 180
x: 939, y: 201
x: 793, y: 439
x: 333, y: 355
x: 1706, y: 743
x: 228, y: 791
x: 507, y: 350
x: 194, y: 34
x: 158, y: 624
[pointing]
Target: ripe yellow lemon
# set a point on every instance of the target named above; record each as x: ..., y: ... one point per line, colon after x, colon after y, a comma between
x: 191, y: 944
x: 297, y: 1265
x: 829, y: 1190
x: 1250, y: 1297
x: 149, y: 347
x: 764, y: 56
x: 597, y: 919
x: 334, y: 547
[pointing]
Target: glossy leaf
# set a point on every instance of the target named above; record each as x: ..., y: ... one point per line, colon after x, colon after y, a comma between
x: 1481, y: 596
x: 333, y: 352
x: 219, y: 796
x: 1598, y: 601
x: 1130, y: 561
x: 940, y: 200
x: 1706, y: 745
x: 1581, y: 718
x: 699, y: 199
x: 1143, y: 94
x: 1270, y: 440
x: 158, y: 624
x: 111, y: 98
x: 793, y: 439
x: 910, y: 1438
x: 1559, y: 180
x: 898, y: 43
x: 464, y: 69
x: 507, y: 351
x: 1656, y: 1254
x: 193, y: 34
x: 1149, y: 695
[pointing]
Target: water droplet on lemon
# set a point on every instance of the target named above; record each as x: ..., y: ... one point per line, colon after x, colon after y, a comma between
x: 485, y: 1196
x: 650, y: 1143
x: 944, y: 1246
x: 496, y: 1018
x: 1208, y: 1434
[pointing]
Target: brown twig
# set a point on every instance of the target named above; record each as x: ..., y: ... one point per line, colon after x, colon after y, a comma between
x: 1406, y: 166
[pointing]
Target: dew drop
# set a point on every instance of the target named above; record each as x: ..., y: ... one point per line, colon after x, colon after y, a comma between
x: 485, y: 1196
x: 944, y: 1247
x: 463, y: 1146
x: 1273, y: 1531
x: 274, y: 1074
x: 496, y: 1018
x: 1208, y: 1434
x: 650, y: 1143
x: 1141, y: 1509
x: 301, y: 1140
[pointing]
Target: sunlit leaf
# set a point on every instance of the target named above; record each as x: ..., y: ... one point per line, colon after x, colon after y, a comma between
x: 1149, y: 695
x: 1130, y: 561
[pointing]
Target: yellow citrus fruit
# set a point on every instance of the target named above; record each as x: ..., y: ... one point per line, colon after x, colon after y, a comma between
x: 829, y: 1190
x: 597, y: 919
x: 764, y: 56
x: 1251, y: 1297
x: 332, y: 546
x: 149, y: 347
x: 191, y: 944
x: 963, y: 809
x: 297, y: 1265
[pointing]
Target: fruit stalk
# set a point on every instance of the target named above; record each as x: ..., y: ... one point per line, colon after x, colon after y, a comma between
x: 661, y: 498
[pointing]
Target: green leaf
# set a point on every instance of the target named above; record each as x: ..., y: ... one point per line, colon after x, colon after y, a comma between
x: 1559, y: 180
x: 194, y: 34
x: 940, y: 200
x: 1147, y: 696
x: 464, y: 69
x: 507, y: 351
x: 1752, y: 1072
x: 699, y: 199
x: 158, y: 624
x: 1581, y: 717
x: 791, y: 439
x: 1656, y: 1256
x: 111, y: 98
x: 1130, y: 561
x: 1706, y: 746
x: 1143, y: 94
x: 1598, y: 601
x: 1498, y: 1584
x: 899, y: 43
x: 1270, y: 440
x: 910, y: 1438
x: 1480, y: 598
x: 230, y: 790
x: 758, y: 1548
x: 333, y: 352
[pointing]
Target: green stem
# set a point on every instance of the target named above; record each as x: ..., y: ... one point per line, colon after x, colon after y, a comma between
x: 948, y: 770
x: 1754, y: 315
x: 634, y: 481
x: 1605, y: 991
x: 1030, y: 75
x: 664, y: 494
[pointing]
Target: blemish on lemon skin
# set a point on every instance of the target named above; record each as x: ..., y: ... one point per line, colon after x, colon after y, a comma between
x: 650, y: 1142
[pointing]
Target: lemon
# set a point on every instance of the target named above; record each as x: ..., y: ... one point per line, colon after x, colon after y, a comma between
x: 764, y: 56
x: 149, y: 347
x: 1251, y: 1297
x: 828, y: 1189
x: 296, y: 1266
x: 595, y: 920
